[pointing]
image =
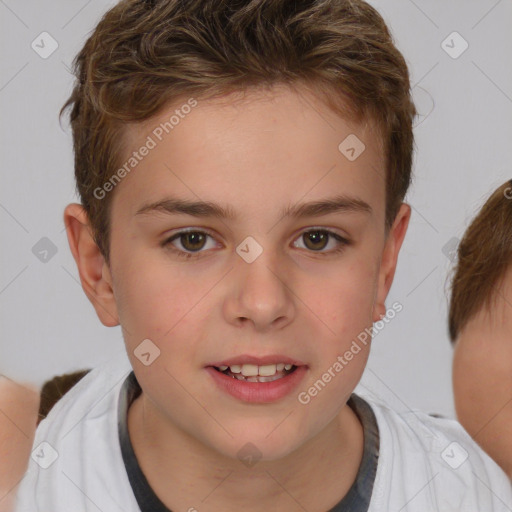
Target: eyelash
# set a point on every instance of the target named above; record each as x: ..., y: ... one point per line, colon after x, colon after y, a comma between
x: 343, y: 242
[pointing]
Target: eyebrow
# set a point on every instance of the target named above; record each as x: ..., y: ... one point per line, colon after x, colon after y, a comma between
x: 336, y: 204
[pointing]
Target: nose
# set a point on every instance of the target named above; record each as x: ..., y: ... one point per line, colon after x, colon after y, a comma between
x: 261, y: 294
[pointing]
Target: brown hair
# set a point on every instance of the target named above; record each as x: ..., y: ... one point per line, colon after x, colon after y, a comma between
x: 484, y: 256
x: 144, y: 55
x: 54, y: 389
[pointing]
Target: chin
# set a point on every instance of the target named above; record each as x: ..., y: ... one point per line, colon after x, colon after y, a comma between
x: 252, y: 446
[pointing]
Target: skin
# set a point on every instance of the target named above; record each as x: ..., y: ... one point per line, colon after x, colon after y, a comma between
x: 257, y: 155
x: 19, y: 405
x: 482, y: 377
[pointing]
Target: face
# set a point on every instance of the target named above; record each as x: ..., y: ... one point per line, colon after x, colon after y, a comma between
x: 256, y: 284
x: 482, y: 377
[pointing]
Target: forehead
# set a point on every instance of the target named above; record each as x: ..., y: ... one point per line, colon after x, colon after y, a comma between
x: 251, y: 151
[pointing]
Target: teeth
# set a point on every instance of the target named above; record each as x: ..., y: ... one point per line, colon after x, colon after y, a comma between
x: 267, y: 370
x: 249, y: 370
x: 269, y: 379
x: 257, y: 378
x: 253, y: 370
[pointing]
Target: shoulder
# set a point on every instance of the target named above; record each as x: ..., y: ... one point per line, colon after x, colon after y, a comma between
x: 18, y: 407
x: 54, y: 389
x: 429, y: 463
x: 92, y: 393
x: 76, y: 449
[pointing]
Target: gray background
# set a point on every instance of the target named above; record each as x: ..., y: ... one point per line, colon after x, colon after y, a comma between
x: 463, y: 140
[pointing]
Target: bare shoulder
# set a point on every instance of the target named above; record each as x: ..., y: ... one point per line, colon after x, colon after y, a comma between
x: 19, y: 406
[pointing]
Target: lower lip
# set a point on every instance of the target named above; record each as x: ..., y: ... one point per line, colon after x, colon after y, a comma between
x: 258, y: 392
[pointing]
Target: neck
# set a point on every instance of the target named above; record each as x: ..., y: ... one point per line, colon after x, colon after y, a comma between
x: 184, y: 473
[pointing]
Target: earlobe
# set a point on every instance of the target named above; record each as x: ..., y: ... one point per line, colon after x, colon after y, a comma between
x: 94, y: 272
x: 389, y: 259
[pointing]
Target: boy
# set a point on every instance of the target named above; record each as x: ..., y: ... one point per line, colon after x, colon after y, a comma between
x: 480, y: 323
x: 216, y: 145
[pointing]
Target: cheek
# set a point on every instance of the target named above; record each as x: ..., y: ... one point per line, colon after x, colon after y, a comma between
x: 151, y: 298
x: 169, y: 307
x: 345, y: 310
x: 349, y: 301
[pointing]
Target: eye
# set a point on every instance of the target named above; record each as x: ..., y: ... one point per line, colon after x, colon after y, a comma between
x: 317, y: 239
x: 192, y: 241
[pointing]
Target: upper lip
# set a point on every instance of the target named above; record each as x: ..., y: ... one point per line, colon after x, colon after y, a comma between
x: 258, y: 360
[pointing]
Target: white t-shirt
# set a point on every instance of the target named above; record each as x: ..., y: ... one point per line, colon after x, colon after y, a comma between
x: 425, y: 464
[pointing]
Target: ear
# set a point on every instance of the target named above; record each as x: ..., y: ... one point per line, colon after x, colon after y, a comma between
x: 389, y: 259
x: 94, y: 272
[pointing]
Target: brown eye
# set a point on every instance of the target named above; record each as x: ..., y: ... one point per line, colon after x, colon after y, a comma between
x: 316, y: 240
x: 188, y: 244
x: 192, y: 241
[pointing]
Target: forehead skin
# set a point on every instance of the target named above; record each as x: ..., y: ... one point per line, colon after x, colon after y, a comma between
x: 258, y: 154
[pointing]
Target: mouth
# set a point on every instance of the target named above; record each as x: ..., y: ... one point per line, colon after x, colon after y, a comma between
x: 258, y: 380
x: 257, y: 373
